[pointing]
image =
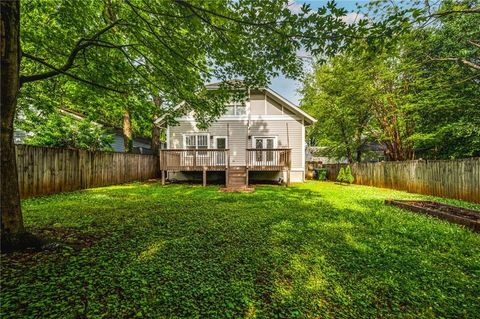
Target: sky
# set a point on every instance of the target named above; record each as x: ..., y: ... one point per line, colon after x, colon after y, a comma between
x: 288, y: 88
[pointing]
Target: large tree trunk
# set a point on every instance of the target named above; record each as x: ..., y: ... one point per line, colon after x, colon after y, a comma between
x: 127, y: 132
x: 156, y: 131
x: 11, y: 214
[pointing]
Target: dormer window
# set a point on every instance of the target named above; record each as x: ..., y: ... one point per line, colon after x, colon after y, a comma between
x: 236, y: 109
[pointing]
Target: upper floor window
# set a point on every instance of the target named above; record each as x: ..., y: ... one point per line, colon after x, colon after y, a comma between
x: 236, y: 109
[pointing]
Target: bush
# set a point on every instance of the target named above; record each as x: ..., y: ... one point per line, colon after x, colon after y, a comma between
x: 322, y: 174
x: 348, y: 175
x: 345, y: 175
x: 341, y: 175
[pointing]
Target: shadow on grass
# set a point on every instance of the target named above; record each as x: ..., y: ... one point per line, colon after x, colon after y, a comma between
x: 183, y: 251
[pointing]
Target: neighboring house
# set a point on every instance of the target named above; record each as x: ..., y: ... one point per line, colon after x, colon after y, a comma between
x: 140, y: 144
x: 372, y: 152
x: 262, y: 139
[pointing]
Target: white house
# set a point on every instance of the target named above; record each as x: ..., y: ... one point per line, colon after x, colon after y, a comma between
x: 261, y: 139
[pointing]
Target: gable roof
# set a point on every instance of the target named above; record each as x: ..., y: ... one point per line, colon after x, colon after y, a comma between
x: 292, y: 107
x: 276, y: 96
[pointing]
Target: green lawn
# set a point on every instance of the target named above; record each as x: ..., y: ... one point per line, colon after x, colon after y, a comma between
x: 316, y: 250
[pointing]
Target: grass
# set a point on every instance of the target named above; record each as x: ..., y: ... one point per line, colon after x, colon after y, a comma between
x: 316, y: 250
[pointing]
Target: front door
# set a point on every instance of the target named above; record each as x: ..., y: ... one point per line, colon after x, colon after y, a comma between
x: 221, y: 144
x: 265, y: 157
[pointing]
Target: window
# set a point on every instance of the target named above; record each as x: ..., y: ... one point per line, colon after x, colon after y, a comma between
x: 265, y: 144
x: 235, y: 109
x: 196, y: 141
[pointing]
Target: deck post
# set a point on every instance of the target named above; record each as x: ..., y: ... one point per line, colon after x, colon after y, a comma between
x: 246, y: 177
x: 227, y: 164
x: 289, y: 166
x: 204, y: 176
x: 161, y: 159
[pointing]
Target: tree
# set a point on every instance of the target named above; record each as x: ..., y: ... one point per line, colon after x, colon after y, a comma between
x: 341, y: 175
x: 338, y: 95
x: 419, y: 86
x: 172, y: 47
x: 59, y: 130
x: 348, y: 175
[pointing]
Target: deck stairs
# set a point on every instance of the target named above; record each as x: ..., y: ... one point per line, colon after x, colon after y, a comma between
x: 237, y: 177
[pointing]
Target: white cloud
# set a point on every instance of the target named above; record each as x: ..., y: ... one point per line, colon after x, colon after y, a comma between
x: 353, y: 17
x: 295, y: 7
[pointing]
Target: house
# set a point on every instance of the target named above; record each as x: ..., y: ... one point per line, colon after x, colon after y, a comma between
x: 262, y: 139
x: 140, y: 144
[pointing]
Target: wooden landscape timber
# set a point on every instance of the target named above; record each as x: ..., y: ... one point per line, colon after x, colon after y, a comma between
x: 457, y: 215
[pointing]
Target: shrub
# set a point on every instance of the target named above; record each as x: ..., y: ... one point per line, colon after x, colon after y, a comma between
x: 341, y: 175
x: 348, y: 175
x: 322, y: 174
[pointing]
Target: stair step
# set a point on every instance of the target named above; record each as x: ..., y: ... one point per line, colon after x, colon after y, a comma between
x: 238, y: 174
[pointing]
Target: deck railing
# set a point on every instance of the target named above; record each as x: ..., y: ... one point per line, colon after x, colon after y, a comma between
x: 194, y: 159
x: 272, y: 159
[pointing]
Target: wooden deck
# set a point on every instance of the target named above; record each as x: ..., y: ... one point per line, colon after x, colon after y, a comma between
x: 204, y: 160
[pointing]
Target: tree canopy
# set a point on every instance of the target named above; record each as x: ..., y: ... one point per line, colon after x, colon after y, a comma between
x: 419, y: 91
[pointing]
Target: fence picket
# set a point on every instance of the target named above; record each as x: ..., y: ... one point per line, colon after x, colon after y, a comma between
x: 458, y: 179
x: 45, y: 170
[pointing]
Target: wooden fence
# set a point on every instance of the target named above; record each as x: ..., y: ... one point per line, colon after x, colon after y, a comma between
x: 45, y: 170
x: 458, y: 179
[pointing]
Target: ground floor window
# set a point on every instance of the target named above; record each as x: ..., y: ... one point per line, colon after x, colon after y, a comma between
x: 196, y: 141
x: 266, y: 143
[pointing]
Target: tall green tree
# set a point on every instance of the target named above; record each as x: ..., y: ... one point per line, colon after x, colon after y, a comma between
x: 172, y: 47
x: 420, y: 99
x: 337, y: 94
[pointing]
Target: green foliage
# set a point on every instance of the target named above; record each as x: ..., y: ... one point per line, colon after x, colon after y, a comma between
x: 322, y: 174
x: 416, y: 94
x: 59, y: 130
x: 130, y: 51
x: 317, y: 250
x: 348, y: 175
x: 341, y: 175
x: 337, y: 94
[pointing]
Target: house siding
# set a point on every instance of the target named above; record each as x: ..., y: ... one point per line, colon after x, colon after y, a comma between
x: 266, y: 117
x: 118, y: 144
x: 278, y: 128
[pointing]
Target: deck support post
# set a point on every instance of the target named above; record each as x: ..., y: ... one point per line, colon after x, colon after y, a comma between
x: 288, y: 177
x: 163, y: 177
x: 246, y: 177
x: 204, y: 177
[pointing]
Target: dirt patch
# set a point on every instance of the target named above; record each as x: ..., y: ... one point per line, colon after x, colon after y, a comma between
x: 55, y: 242
x: 241, y: 189
x: 454, y: 214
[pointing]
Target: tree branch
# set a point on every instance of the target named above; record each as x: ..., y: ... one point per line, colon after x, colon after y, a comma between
x: 459, y: 60
x: 474, y: 43
x: 448, y: 12
x: 55, y: 71
x: 80, y: 45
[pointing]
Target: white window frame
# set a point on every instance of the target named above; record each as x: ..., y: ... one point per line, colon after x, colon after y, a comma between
x: 235, y: 105
x: 275, y: 140
x: 196, y: 139
x: 254, y: 145
x: 220, y: 136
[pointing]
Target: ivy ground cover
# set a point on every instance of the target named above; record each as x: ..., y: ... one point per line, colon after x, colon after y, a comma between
x: 316, y: 250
